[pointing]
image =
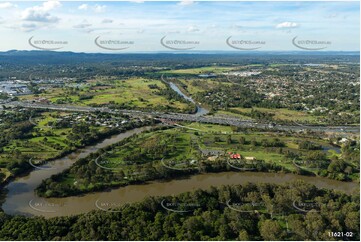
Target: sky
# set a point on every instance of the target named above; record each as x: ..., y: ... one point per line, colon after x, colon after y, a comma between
x: 143, y: 26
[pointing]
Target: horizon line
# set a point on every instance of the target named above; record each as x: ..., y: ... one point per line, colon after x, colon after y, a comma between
x: 186, y: 52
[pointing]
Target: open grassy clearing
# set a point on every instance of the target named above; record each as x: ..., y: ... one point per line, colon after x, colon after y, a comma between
x: 45, y: 141
x: 182, y: 145
x: 212, y: 69
x: 230, y: 114
x: 169, y: 152
x: 201, y: 70
x: 132, y: 92
x: 45, y: 146
x: 283, y: 114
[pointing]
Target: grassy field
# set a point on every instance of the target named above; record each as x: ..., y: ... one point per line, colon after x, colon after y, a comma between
x: 283, y: 114
x: 183, y: 144
x: 201, y: 70
x: 133, y: 92
x: 210, y: 128
x: 47, y: 142
x: 53, y: 94
x: 179, y: 149
x: 36, y: 147
x: 230, y: 114
x: 192, y: 148
x: 200, y: 85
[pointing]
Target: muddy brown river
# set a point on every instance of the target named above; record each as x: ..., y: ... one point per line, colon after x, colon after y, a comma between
x: 21, y: 198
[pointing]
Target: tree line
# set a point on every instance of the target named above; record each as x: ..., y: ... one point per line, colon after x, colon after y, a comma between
x: 276, y: 217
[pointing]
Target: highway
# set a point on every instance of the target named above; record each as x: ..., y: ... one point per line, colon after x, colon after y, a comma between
x: 185, y: 117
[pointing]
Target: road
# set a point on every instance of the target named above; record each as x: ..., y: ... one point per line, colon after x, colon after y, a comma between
x: 186, y: 117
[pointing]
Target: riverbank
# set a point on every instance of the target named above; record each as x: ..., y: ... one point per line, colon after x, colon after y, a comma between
x: 169, y: 153
x: 229, y: 212
x: 23, y: 187
x: 21, y: 198
x: 199, y: 110
x: 52, y: 207
x: 100, y: 137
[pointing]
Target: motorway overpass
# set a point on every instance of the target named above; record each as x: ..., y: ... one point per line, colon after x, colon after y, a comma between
x: 186, y: 117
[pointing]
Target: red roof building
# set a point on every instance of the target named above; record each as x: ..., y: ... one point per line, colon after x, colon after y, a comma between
x: 235, y: 156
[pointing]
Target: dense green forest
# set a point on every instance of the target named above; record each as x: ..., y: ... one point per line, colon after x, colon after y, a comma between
x: 249, y: 212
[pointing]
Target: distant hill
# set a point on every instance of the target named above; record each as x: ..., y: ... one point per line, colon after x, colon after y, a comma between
x: 55, y: 57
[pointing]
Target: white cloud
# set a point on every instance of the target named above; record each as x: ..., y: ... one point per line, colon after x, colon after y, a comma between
x: 136, y: 1
x: 7, y: 5
x: 27, y: 27
x: 24, y: 27
x: 83, y: 7
x: 107, y: 21
x: 192, y: 29
x: 99, y: 8
x: 96, y: 8
x: 41, y: 13
x: 332, y: 16
x: 49, y: 5
x: 82, y: 26
x: 31, y: 15
x: 287, y: 25
x: 173, y: 32
x: 237, y: 27
x: 185, y: 2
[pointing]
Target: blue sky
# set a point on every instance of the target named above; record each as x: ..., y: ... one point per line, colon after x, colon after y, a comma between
x: 265, y: 25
